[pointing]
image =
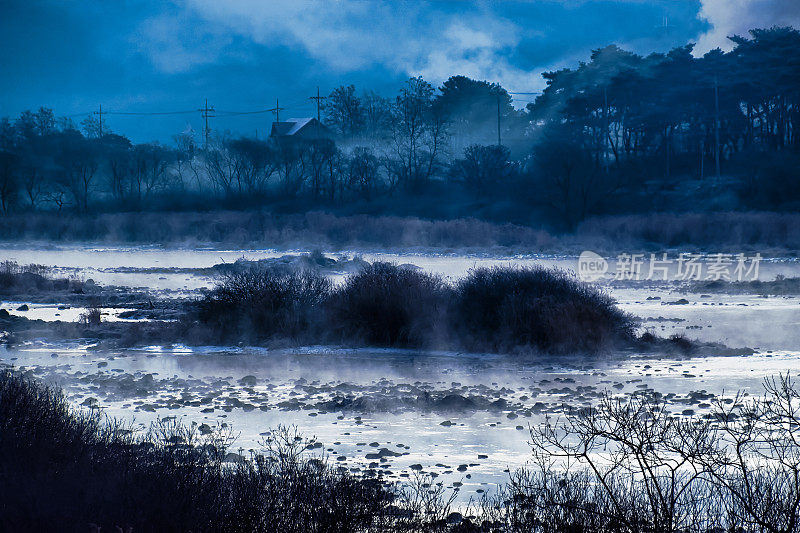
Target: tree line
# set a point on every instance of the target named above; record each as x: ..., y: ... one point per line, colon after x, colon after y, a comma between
x: 619, y: 132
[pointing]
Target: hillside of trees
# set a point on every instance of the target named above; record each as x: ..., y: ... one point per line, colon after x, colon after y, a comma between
x: 618, y: 134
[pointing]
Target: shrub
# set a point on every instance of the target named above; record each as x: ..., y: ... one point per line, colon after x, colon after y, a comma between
x: 389, y: 305
x: 92, y: 316
x: 628, y: 465
x: 546, y: 309
x: 262, y: 303
x: 23, y: 277
x: 62, y: 470
x: 499, y: 309
x: 624, y: 465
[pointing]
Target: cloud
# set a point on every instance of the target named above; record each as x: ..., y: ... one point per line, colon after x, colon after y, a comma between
x: 736, y: 17
x: 510, y: 42
x: 171, y: 45
x: 241, y: 54
x: 479, y: 51
x: 343, y: 36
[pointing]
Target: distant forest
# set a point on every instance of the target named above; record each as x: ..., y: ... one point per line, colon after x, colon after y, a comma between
x: 619, y: 134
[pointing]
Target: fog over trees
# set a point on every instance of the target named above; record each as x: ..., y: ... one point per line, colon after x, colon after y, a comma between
x: 619, y: 133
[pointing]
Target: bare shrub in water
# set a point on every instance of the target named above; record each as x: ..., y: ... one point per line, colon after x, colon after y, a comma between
x: 500, y: 309
x: 92, y: 317
x: 547, y: 309
x: 262, y: 303
x: 14, y: 276
x: 389, y: 305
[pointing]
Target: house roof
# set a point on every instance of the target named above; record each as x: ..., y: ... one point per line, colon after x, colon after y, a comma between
x: 299, y: 123
x: 294, y: 125
x: 282, y: 128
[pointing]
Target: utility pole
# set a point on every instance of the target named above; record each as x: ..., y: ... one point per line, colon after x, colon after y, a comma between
x: 100, y: 119
x: 277, y: 110
x: 499, y: 143
x: 206, y: 113
x: 319, y: 100
x: 716, y: 125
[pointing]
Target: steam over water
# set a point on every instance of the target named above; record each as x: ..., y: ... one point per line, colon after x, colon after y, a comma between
x: 460, y: 417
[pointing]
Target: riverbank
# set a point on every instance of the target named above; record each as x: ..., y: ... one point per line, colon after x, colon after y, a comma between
x: 771, y: 234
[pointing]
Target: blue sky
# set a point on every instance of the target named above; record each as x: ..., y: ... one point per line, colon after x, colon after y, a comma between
x: 139, y: 55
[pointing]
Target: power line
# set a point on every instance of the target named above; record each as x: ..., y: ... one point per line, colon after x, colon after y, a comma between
x: 234, y: 113
x: 219, y: 113
x: 292, y: 104
x: 149, y: 113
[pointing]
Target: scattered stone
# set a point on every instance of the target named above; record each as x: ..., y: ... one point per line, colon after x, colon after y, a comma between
x: 248, y: 381
x: 682, y: 301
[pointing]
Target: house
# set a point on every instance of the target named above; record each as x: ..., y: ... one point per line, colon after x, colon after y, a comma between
x: 300, y: 128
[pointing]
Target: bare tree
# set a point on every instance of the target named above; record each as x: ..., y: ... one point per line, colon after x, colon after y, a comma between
x: 345, y: 112
x: 419, y: 132
x: 482, y: 167
x: 377, y: 116
x: 363, y: 172
x: 315, y: 161
x: 150, y: 165
x: 253, y: 163
x: 758, y: 459
x: 45, y: 121
x: 643, y: 462
x: 78, y: 161
x: 9, y: 180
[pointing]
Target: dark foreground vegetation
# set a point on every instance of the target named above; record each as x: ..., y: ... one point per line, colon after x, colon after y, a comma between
x: 631, y: 465
x: 63, y: 470
x: 627, y: 465
x: 498, y: 309
x: 620, y: 134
